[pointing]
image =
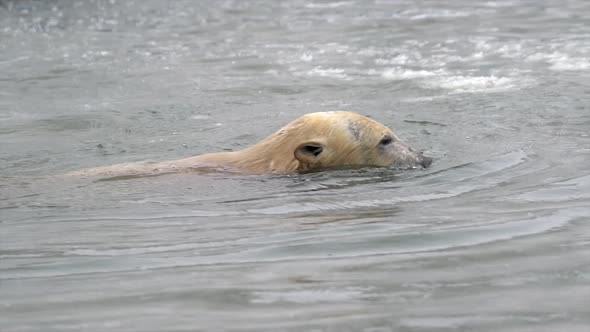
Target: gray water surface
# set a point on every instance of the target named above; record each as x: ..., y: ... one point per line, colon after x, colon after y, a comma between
x: 494, y: 236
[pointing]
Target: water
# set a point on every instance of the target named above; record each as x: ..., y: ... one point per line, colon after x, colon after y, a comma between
x: 493, y: 237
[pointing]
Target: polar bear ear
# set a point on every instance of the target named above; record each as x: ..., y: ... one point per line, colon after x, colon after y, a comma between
x: 308, y: 152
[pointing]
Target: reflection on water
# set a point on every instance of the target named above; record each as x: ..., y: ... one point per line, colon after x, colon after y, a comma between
x: 492, y: 237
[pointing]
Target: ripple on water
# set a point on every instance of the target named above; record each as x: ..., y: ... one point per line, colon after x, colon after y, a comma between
x: 354, y: 243
x: 564, y: 191
x: 349, y: 241
x: 473, y: 176
x: 226, y: 244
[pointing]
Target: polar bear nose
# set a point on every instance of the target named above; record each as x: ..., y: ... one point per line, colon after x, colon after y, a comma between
x: 425, y: 161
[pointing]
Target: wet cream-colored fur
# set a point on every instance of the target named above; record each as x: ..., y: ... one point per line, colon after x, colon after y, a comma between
x: 314, y: 141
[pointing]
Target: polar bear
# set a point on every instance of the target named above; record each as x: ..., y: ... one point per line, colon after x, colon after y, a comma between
x: 315, y: 141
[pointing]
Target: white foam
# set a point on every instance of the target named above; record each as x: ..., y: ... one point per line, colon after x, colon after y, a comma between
x: 538, y: 57
x: 398, y: 73
x: 329, y: 5
x: 421, y: 99
x: 566, y: 63
x: 498, y: 4
x: 328, y: 72
x: 306, y: 57
x: 442, y: 79
x: 560, y: 61
x: 416, y: 15
x: 462, y: 84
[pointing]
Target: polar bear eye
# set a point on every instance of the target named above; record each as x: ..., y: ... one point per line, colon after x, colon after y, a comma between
x: 386, y: 140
